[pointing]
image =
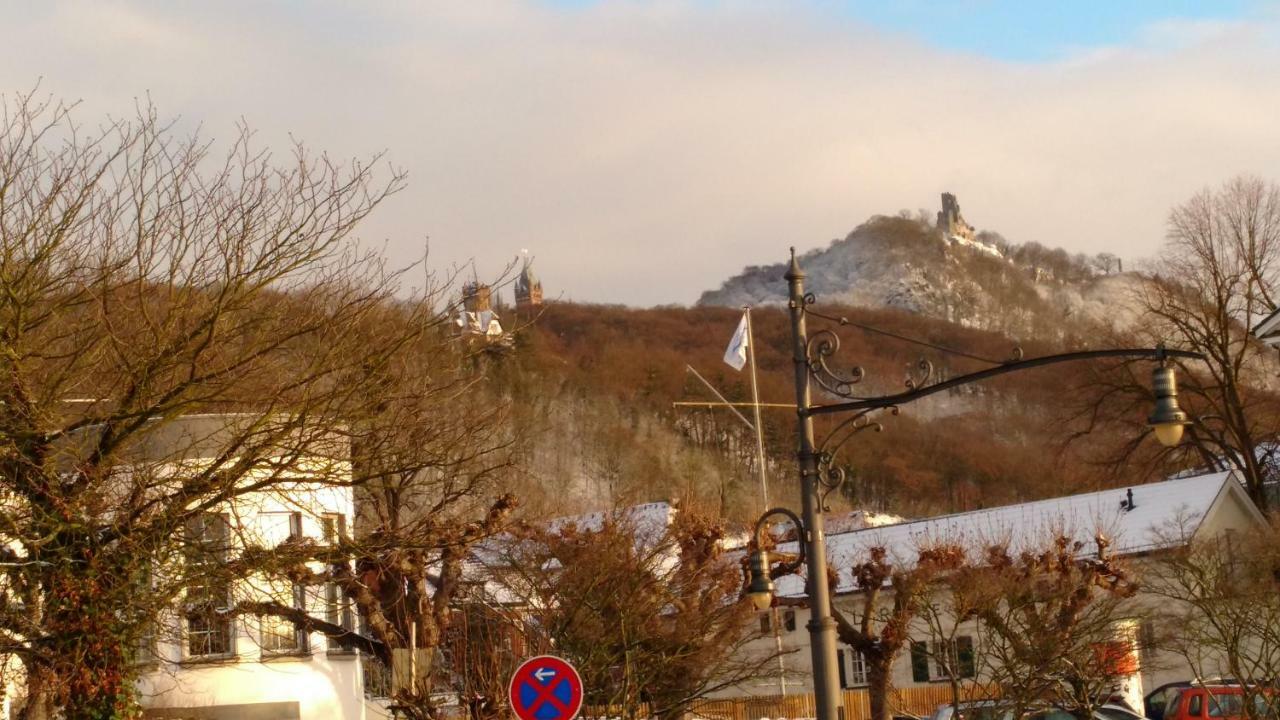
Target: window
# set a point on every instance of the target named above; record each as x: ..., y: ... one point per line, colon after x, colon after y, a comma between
x: 919, y: 661
x: 1147, y: 642
x: 280, y: 636
x: 332, y: 527
x: 209, y: 628
x: 1224, y: 705
x: 275, y: 528
x: 766, y: 624
x: 943, y: 660
x: 953, y: 658
x: 853, y: 668
x: 1195, y: 707
x: 789, y: 621
x: 145, y: 650
x: 1233, y: 561
x: 337, y: 610
x: 1171, y: 710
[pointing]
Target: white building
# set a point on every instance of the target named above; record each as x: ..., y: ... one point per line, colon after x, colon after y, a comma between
x: 200, y: 663
x: 1154, y: 517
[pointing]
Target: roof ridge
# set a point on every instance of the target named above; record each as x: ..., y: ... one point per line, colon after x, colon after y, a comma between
x: 1043, y: 501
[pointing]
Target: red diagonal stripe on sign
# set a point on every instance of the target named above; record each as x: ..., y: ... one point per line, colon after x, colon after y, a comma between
x: 545, y: 695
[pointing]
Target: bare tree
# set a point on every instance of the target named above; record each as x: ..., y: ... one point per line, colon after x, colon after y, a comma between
x: 146, y: 279
x: 433, y: 460
x: 881, y: 627
x: 1216, y: 276
x: 648, y: 613
x: 1223, y: 595
x: 1050, y: 620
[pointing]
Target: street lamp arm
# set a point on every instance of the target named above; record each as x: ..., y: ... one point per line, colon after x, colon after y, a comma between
x: 895, y: 400
x: 800, y: 534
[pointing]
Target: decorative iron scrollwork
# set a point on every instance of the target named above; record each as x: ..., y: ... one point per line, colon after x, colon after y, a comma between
x: 822, y: 345
x: 831, y: 476
x: 918, y: 375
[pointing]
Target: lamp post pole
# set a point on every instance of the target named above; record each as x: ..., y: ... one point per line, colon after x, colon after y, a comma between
x: 822, y: 628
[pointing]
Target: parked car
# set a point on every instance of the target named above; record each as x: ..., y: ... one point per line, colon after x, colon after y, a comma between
x: 1217, y: 701
x: 1156, y: 700
x: 990, y: 710
x: 1110, y: 711
x: 974, y: 710
x: 1120, y: 711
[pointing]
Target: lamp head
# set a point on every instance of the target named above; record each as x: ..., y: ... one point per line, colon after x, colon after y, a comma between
x: 761, y: 588
x: 1167, y: 419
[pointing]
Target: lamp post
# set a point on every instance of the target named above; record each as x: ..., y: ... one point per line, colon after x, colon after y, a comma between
x: 819, y: 475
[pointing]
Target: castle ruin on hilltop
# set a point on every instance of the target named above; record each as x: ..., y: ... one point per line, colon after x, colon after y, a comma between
x: 951, y: 222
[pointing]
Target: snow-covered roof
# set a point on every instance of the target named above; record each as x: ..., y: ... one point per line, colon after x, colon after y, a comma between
x: 1161, y: 513
x: 1268, y: 329
x: 649, y: 523
x: 647, y: 520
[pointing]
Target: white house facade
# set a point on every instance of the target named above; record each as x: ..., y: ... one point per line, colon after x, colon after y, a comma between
x: 1152, y: 518
x: 201, y: 662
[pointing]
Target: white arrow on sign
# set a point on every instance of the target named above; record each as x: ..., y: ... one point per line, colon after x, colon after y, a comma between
x: 543, y: 673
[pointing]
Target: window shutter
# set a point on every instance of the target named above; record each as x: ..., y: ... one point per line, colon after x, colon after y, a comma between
x: 919, y: 662
x: 840, y: 663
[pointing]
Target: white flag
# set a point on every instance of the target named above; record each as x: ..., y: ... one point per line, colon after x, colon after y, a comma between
x: 736, y: 354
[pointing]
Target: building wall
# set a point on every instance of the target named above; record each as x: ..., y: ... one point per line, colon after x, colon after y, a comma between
x: 1232, y: 512
x: 320, y: 683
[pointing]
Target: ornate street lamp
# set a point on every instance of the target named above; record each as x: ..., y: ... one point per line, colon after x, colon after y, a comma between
x: 760, y: 590
x: 819, y: 475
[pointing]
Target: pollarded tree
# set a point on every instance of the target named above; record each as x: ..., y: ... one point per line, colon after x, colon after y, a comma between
x: 888, y: 600
x: 1052, y: 620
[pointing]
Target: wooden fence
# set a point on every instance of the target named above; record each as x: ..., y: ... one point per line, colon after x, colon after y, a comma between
x: 921, y: 702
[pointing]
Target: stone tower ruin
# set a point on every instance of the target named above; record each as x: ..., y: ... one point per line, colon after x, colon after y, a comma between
x: 950, y: 221
x: 476, y: 297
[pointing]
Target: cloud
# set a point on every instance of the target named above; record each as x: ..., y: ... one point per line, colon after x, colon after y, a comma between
x: 646, y: 151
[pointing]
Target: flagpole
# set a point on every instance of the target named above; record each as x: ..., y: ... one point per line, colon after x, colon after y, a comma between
x: 764, y: 492
x: 755, y: 406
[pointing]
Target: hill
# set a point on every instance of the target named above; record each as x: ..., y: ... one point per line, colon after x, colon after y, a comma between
x: 979, y: 281
x: 595, y: 387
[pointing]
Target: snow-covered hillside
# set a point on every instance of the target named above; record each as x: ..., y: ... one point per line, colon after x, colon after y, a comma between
x: 907, y: 264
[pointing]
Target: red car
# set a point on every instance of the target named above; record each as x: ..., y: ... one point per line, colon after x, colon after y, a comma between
x: 1217, y: 701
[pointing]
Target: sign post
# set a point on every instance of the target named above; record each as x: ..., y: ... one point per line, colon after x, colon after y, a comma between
x: 546, y: 688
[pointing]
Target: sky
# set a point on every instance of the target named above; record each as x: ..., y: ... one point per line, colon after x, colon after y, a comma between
x: 643, y: 152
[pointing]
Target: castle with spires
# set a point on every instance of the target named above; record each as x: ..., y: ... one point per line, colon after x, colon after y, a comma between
x: 479, y: 317
x: 528, y: 289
